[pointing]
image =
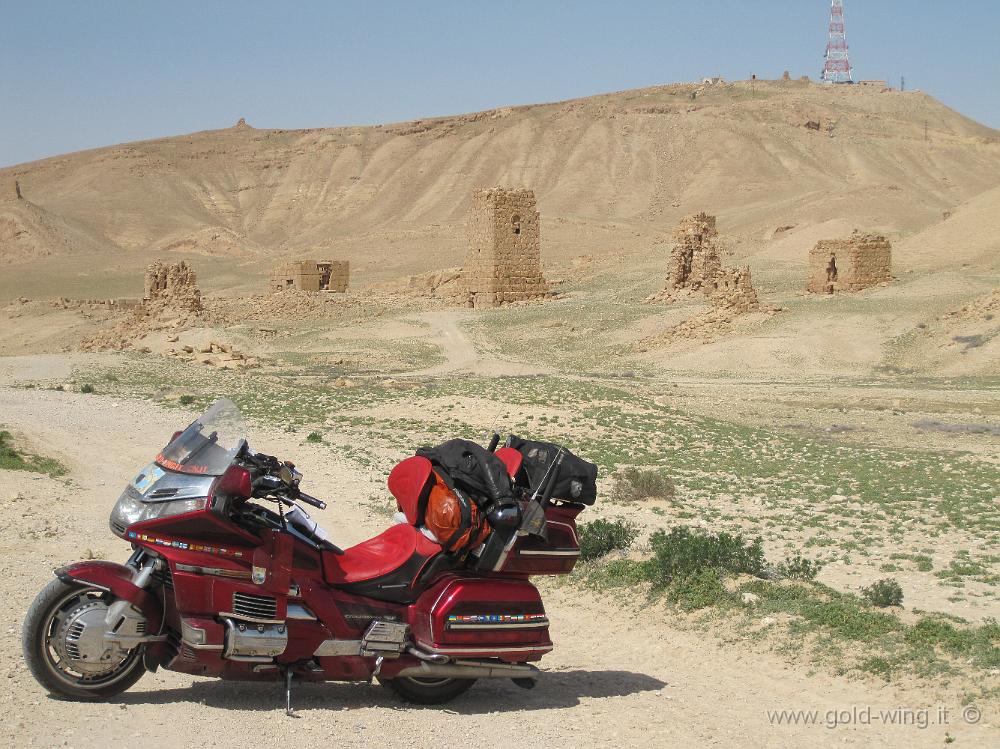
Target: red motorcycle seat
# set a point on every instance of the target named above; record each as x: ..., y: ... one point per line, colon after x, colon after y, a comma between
x: 395, y: 548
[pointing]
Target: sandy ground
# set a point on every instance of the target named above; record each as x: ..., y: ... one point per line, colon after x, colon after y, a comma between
x: 618, y: 675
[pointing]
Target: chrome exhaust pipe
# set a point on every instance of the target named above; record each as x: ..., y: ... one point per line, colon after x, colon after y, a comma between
x: 471, y: 670
x: 429, y: 657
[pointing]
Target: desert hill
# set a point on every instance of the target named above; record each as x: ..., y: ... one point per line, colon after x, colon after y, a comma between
x: 611, y: 172
x: 29, y: 232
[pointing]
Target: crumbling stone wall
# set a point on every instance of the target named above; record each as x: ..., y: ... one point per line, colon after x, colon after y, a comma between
x: 504, y: 260
x: 174, y: 284
x: 852, y: 264
x: 695, y: 265
x: 171, y: 301
x: 334, y: 275
x: 310, y: 275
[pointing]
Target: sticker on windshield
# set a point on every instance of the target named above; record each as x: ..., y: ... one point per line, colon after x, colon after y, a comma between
x: 149, y: 476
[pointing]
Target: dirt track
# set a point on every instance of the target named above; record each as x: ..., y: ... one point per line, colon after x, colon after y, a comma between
x: 618, y: 675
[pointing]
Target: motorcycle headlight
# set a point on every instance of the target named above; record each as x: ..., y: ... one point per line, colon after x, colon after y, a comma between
x: 130, y: 509
x: 177, y: 507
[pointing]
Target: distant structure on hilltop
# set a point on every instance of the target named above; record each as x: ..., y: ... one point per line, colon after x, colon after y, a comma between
x: 837, y: 68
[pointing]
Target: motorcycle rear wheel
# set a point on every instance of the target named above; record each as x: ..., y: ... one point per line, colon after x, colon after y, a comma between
x: 44, y: 645
x: 426, y: 691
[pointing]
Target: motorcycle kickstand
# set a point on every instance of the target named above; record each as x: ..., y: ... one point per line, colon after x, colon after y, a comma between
x: 378, y: 669
x: 288, y: 694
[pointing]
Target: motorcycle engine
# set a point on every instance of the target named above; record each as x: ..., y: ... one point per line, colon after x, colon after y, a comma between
x: 250, y: 641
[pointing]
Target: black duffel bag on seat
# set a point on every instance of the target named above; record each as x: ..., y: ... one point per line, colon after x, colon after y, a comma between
x: 575, y: 478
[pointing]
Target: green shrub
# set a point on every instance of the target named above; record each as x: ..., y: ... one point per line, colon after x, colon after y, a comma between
x: 87, y: 388
x: 799, y: 568
x: 599, y: 537
x: 9, y: 457
x: 698, y: 590
x: 12, y: 460
x: 633, y: 484
x: 981, y: 642
x: 186, y: 400
x: 884, y: 593
x: 616, y: 573
x: 684, y: 552
x: 314, y: 437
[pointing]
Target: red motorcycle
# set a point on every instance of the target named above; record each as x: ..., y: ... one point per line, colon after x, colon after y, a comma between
x: 220, y: 585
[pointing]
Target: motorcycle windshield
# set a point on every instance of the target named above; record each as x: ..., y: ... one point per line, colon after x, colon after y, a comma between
x: 209, y: 445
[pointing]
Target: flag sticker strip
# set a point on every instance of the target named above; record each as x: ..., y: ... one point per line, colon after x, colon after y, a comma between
x: 174, y: 544
x: 487, y: 619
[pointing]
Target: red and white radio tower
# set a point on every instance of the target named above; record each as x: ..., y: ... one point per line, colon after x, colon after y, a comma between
x: 837, y: 68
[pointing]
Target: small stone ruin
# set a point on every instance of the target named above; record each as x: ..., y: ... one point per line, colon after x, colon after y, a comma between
x: 172, y: 285
x: 858, y: 262
x: 695, y: 265
x: 504, y: 260
x: 310, y: 275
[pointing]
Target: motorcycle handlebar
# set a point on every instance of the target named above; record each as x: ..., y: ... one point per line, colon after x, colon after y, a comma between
x: 317, y: 503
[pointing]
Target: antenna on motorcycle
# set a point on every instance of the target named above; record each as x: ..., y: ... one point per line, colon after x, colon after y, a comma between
x: 494, y: 434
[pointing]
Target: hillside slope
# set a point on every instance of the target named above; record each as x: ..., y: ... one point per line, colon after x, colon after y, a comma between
x: 608, y: 170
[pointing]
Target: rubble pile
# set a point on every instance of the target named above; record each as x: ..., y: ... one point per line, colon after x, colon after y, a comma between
x: 695, y: 266
x: 212, y: 353
x: 288, y: 304
x: 172, y: 303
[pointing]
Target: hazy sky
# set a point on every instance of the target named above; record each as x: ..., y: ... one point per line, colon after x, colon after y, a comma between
x: 86, y: 73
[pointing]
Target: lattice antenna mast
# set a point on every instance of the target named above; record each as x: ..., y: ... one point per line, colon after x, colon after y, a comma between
x: 837, y: 68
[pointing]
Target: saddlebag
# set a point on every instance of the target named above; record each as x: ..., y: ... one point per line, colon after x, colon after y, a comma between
x: 481, y: 618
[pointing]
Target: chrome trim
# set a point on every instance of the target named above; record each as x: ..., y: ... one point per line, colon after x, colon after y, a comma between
x: 471, y: 670
x: 494, y: 649
x: 215, y: 571
x: 201, y: 647
x: 502, y: 559
x: 426, y: 656
x: 298, y: 611
x: 502, y: 625
x: 553, y: 553
x: 251, y: 619
x: 330, y: 648
x: 255, y: 605
x: 194, y: 637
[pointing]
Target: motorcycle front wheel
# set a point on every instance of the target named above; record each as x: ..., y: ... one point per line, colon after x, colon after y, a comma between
x: 63, y: 644
x: 427, y: 691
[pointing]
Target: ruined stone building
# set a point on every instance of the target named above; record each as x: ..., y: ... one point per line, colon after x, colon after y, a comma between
x: 851, y: 264
x: 310, y: 275
x: 695, y: 265
x: 504, y: 260
x: 172, y: 284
